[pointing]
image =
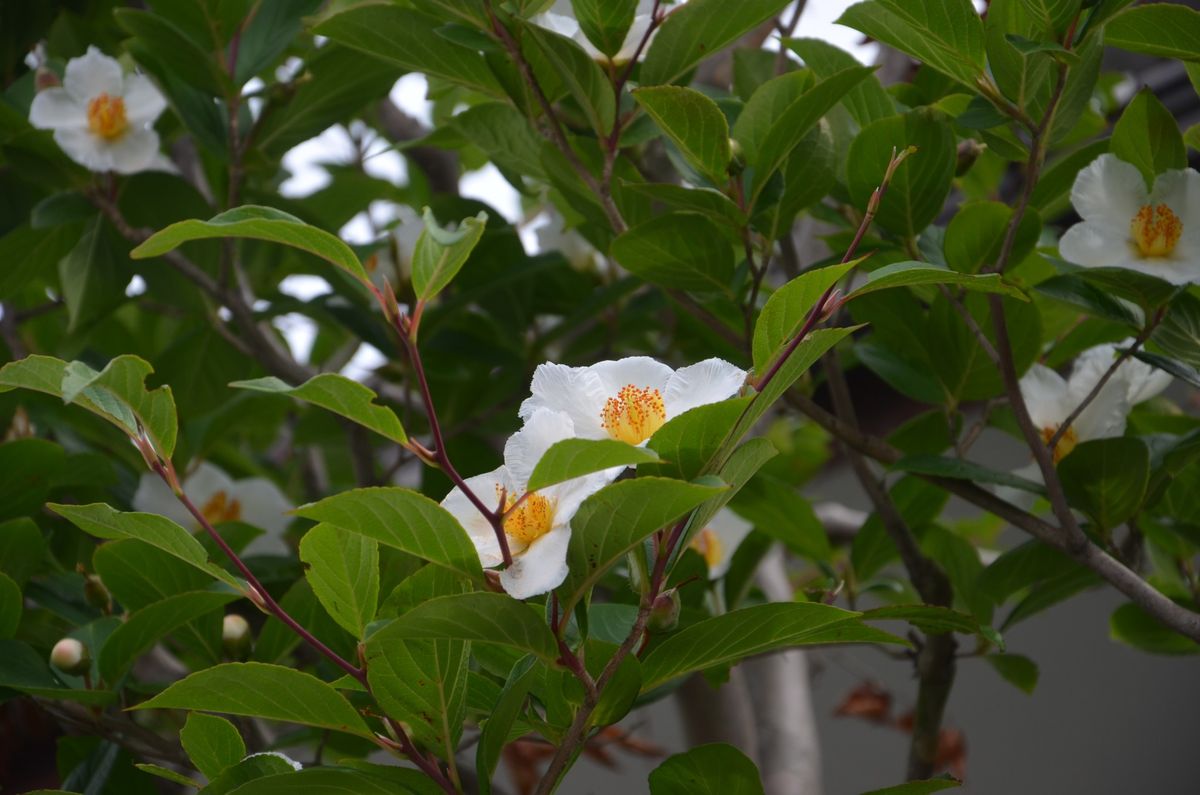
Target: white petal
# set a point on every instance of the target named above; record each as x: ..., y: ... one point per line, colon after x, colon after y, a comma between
x: 55, y: 108
x: 1095, y: 244
x: 457, y: 504
x: 709, y: 381
x: 1109, y: 190
x: 731, y: 530
x: 153, y: 496
x: 1045, y: 394
x: 143, y: 101
x: 1142, y: 380
x: 577, y: 391
x: 541, y: 568
x: 134, y: 151
x: 641, y: 23
x: 570, y: 495
x: 1104, y: 417
x: 1179, y: 189
x: 91, y: 75
x: 264, y: 506
x: 204, y: 481
x: 641, y: 371
x: 526, y: 447
x: 84, y: 148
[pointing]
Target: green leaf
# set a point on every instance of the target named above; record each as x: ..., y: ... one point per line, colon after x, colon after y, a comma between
x: 975, y: 236
x: 572, y: 458
x: 920, y: 185
x: 617, y: 519
x: 31, y: 253
x: 343, y: 570
x: 788, y: 308
x: 697, y: 30
x: 961, y: 364
x: 927, y: 618
x: 1107, y: 478
x: 168, y: 44
x: 684, y: 251
x: 479, y: 616
x: 867, y: 101
x: 339, y: 394
x: 1178, y: 335
x: 24, y: 670
x: 508, y: 708
x: 257, y: 690
x: 152, y: 623
x: 93, y: 276
x: 258, y: 223
x: 778, y: 510
x: 377, y: 780
x: 1016, y: 669
x: 505, y: 136
x: 102, y: 521
x: 918, y: 787
x: 712, y: 769
x: 1148, y: 136
x: 789, y: 128
x: 441, y: 253
x: 694, y: 124
x: 754, y: 630
x: 212, y: 743
x: 31, y: 466
x: 806, y: 354
x: 945, y: 34
x: 410, y: 39
x: 691, y: 443
x: 1168, y: 30
x: 958, y: 469
x: 11, y: 605
x: 583, y: 77
x: 1146, y: 291
x: 913, y: 274
x: 606, y: 23
x: 247, y: 771
x: 402, y: 519
x: 166, y: 773
x: 1134, y: 626
x: 1071, y: 289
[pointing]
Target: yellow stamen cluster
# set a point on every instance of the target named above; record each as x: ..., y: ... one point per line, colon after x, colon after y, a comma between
x: 106, y: 117
x: 1066, y: 442
x: 221, y: 508
x: 634, y: 414
x: 1155, y: 230
x: 530, y: 520
x: 708, y: 544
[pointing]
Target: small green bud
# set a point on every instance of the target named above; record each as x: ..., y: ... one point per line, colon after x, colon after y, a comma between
x: 236, y: 637
x: 664, y: 613
x: 737, y: 159
x: 71, y: 657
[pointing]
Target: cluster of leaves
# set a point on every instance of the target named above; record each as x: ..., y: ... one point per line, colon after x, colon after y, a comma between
x: 693, y: 190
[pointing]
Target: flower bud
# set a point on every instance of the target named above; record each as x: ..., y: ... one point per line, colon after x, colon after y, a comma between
x: 969, y: 151
x: 664, y: 613
x: 236, y: 637
x: 737, y: 160
x: 97, y: 595
x: 45, y: 78
x: 71, y: 657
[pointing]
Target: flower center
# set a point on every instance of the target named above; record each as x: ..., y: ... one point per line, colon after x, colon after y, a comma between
x: 1066, y: 442
x: 106, y: 117
x: 530, y: 520
x: 1156, y: 230
x: 221, y: 508
x: 634, y: 414
x: 708, y: 544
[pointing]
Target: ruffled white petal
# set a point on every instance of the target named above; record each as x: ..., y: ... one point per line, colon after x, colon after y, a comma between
x: 543, y: 428
x: 91, y: 75
x: 1142, y: 380
x: 1045, y: 394
x: 640, y: 371
x: 1109, y: 191
x: 1179, y: 189
x: 134, y: 151
x: 143, y: 101
x: 84, y: 148
x: 709, y: 381
x: 1095, y: 244
x: 264, y: 506
x: 54, y: 108
x: 475, y: 523
x: 568, y: 496
x: 1104, y: 417
x: 576, y: 391
x: 153, y: 496
x: 541, y: 568
x: 731, y: 530
x: 205, y: 481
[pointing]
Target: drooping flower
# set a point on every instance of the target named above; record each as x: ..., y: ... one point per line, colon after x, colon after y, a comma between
x: 1156, y: 232
x: 101, y: 117
x: 255, y: 501
x: 719, y: 539
x: 538, y: 525
x: 560, y: 18
x: 628, y: 399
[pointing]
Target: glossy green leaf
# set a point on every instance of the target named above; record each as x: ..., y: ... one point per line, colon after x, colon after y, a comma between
x: 257, y: 690
x: 150, y: 624
x: 927, y: 618
x: 913, y: 274
x: 867, y: 101
x: 247, y: 771
x: 754, y: 630
x: 508, y: 708
x: 1178, y: 335
x: 1106, y: 478
x: 24, y: 670
x: 945, y: 34
x: 343, y: 569
x: 606, y: 23
x: 1016, y: 669
x: 441, y: 253
x: 690, y: 443
x: 712, y: 769
x: 402, y: 519
x: 339, y: 394
x: 960, y: 469
x: 975, y: 236
x: 694, y: 124
x: 258, y: 223
x: 376, y: 780
x: 1148, y: 136
x: 572, y: 458
x: 583, y: 77
x: 788, y: 308
x: 212, y: 743
x: 1167, y: 30
x: 11, y: 606
x: 31, y: 253
x: 697, y: 30
x: 1135, y: 627
x: 680, y: 250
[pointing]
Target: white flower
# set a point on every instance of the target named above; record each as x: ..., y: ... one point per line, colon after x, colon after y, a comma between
x: 255, y: 501
x: 539, y: 526
x: 628, y: 399
x: 394, y: 261
x: 1142, y: 380
x: 1156, y: 232
x: 561, y: 19
x: 719, y: 540
x: 102, y: 118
